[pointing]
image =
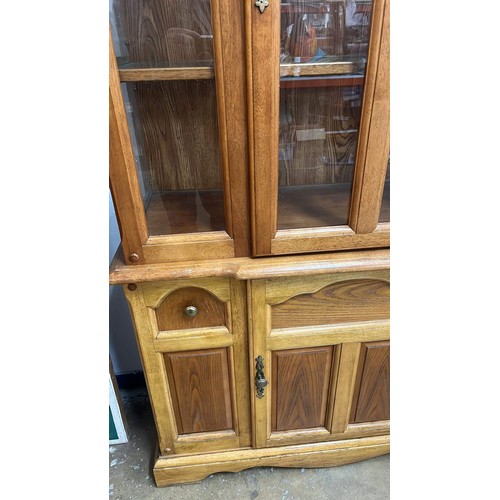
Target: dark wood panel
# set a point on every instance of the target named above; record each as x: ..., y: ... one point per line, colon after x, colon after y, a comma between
x: 200, y: 390
x: 371, y: 395
x: 300, y: 382
x: 170, y: 314
x: 344, y: 302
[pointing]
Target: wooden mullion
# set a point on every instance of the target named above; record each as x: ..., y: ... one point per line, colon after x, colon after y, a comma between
x: 264, y: 53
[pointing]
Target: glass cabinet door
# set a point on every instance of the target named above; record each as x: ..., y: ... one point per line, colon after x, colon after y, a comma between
x: 171, y: 71
x: 326, y: 71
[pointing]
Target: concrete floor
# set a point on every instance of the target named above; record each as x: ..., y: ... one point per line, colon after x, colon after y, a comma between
x: 130, y: 474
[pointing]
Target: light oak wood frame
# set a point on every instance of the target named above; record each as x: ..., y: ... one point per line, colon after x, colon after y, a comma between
x: 229, y: 71
x: 144, y: 299
x: 346, y: 337
x: 363, y: 229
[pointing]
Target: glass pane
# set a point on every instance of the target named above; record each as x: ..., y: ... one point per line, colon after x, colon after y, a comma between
x: 324, y: 47
x: 385, y: 210
x: 173, y: 118
x: 162, y: 33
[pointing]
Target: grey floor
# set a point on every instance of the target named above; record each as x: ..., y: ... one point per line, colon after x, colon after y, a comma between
x: 130, y: 476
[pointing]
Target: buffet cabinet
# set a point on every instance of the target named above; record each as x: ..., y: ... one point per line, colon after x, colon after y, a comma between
x: 249, y: 168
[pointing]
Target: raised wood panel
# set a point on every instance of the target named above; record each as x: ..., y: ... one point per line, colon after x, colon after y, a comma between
x: 300, y: 385
x: 371, y: 394
x: 200, y: 387
x: 170, y: 315
x: 347, y: 301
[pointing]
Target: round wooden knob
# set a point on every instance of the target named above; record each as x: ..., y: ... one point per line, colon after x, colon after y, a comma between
x: 190, y: 311
x: 133, y: 257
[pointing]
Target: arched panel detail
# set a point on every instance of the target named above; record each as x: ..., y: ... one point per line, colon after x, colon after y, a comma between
x: 206, y: 309
x: 342, y: 302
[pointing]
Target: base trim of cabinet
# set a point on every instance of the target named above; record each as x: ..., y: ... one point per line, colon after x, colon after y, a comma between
x: 190, y: 469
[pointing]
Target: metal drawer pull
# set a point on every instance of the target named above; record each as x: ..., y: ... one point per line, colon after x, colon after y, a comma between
x: 261, y: 4
x: 260, y: 379
x: 190, y: 311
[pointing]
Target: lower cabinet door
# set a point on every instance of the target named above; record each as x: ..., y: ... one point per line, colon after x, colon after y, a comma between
x: 321, y: 357
x: 193, y: 345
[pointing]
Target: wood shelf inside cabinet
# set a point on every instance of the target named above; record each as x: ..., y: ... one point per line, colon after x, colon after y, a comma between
x: 321, y: 68
x: 318, y: 206
x: 182, y: 212
x: 159, y: 74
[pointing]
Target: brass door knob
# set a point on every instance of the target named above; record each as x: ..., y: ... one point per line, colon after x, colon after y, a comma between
x: 190, y: 311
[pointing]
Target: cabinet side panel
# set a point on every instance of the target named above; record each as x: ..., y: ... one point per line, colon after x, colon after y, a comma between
x: 202, y: 400
x: 300, y: 380
x: 371, y: 399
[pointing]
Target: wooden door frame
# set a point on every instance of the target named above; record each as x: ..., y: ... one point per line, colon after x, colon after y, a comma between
x: 229, y: 54
x: 363, y: 229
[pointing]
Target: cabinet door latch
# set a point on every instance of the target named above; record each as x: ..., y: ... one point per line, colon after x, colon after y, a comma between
x: 260, y: 379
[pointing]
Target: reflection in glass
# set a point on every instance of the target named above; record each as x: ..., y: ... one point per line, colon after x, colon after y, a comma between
x: 162, y: 33
x: 322, y: 64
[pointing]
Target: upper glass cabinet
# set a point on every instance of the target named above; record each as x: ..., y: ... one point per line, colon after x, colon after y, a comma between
x: 326, y: 133
x: 249, y: 128
x: 170, y: 70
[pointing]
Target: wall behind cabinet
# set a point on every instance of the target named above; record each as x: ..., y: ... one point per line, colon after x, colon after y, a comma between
x: 122, y: 345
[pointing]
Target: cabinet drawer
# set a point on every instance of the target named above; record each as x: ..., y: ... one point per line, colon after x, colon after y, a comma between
x: 190, y: 307
x: 349, y: 300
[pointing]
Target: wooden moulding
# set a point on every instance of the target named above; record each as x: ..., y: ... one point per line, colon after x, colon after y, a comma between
x: 190, y: 469
x: 245, y: 268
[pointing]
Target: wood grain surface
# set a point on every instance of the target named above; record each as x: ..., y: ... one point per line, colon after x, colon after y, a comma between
x: 344, y: 302
x: 181, y: 212
x: 148, y: 74
x: 332, y: 114
x: 158, y: 32
x: 177, y: 132
x: 300, y: 387
x: 193, y: 468
x: 371, y: 394
x: 200, y: 390
x: 374, y: 137
x: 244, y: 268
x: 170, y: 315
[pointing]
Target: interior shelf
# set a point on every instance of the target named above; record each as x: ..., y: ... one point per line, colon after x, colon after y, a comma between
x: 157, y: 74
x: 321, y: 68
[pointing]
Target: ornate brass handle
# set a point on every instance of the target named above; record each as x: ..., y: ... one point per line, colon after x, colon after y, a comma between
x: 190, y: 311
x: 261, y: 4
x: 260, y: 380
